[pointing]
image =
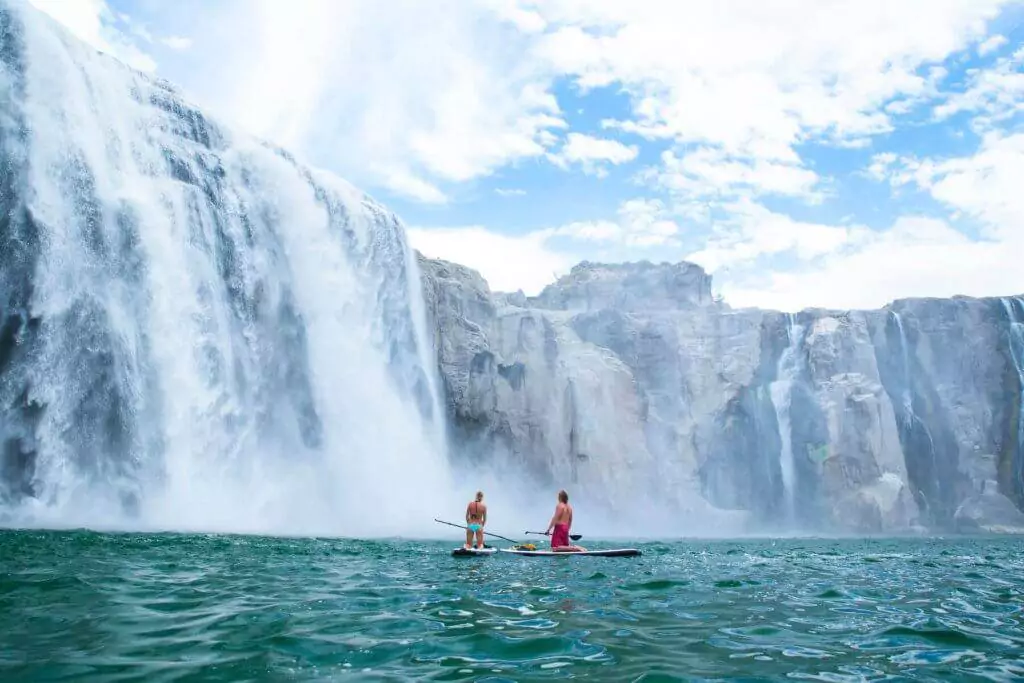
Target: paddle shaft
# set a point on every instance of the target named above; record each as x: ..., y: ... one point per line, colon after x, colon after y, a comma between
x: 459, y: 526
x: 574, y: 537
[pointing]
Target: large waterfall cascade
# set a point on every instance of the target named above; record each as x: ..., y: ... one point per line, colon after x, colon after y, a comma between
x: 196, y: 330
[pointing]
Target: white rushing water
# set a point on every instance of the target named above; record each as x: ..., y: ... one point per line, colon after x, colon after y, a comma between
x: 1015, y: 316
x: 199, y: 333
x: 907, y: 399
x: 786, y: 375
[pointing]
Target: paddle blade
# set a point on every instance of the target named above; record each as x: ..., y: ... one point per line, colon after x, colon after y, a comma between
x: 575, y: 537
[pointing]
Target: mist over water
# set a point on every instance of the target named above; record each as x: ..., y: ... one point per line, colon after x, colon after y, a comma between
x: 197, y: 331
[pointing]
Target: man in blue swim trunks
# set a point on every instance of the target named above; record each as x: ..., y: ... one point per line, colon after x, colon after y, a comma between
x: 476, y: 518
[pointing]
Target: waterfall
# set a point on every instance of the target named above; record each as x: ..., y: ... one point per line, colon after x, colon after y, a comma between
x: 1015, y: 324
x: 196, y: 331
x: 909, y: 419
x: 908, y: 401
x: 787, y: 372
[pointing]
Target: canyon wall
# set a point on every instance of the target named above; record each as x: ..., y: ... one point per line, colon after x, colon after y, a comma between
x: 631, y: 382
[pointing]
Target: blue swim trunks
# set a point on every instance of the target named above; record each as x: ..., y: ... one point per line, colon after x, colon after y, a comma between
x: 475, y: 527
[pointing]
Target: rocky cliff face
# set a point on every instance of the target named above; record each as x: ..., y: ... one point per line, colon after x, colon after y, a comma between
x: 631, y: 383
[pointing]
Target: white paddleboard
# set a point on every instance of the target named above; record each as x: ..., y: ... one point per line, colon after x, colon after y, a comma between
x: 612, y: 552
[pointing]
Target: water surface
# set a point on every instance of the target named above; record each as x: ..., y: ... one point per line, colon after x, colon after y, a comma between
x: 173, y: 607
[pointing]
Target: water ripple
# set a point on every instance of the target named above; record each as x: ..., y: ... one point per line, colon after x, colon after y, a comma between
x: 169, y: 607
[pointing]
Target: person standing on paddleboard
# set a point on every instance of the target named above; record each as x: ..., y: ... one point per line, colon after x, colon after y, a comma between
x: 561, y: 523
x: 476, y: 518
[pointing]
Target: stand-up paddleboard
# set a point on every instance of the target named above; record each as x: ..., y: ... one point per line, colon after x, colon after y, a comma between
x: 473, y: 552
x: 613, y: 552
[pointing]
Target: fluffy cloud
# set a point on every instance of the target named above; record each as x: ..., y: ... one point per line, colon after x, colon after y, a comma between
x: 752, y: 232
x: 994, y: 94
x: 917, y: 256
x: 738, y: 86
x: 992, y: 44
x: 592, y: 153
x: 535, y: 259
x: 985, y: 186
x: 92, y: 21
x: 177, y: 42
x: 756, y: 78
x: 731, y: 92
x: 708, y: 173
x: 641, y: 223
x: 406, y: 95
x: 507, y: 263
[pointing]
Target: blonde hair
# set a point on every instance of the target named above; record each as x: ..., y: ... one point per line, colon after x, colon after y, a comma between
x: 479, y: 496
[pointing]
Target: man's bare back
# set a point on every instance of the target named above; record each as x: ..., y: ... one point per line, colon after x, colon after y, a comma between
x: 563, y: 514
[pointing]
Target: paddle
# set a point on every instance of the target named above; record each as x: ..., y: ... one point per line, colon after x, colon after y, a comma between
x: 459, y: 526
x: 574, y: 537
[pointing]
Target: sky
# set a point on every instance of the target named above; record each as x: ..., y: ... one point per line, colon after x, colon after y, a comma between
x: 834, y: 153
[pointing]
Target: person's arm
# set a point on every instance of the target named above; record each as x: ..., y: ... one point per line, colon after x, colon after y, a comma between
x: 483, y: 522
x: 551, y: 524
x: 570, y: 519
x: 467, y: 515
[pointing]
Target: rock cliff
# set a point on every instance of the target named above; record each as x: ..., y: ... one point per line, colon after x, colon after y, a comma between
x: 631, y: 382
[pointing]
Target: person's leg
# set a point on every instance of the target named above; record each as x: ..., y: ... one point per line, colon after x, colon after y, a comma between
x: 480, y: 537
x: 469, y: 538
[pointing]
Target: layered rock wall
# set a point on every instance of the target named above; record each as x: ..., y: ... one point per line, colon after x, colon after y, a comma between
x: 632, y: 380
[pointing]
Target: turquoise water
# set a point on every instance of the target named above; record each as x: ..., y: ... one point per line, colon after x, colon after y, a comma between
x: 163, y: 607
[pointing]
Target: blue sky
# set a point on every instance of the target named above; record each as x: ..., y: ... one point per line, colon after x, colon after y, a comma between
x: 836, y: 153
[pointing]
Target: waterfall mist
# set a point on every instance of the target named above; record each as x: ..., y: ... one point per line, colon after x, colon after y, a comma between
x: 197, y: 332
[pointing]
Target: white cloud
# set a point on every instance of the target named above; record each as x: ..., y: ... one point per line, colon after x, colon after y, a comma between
x: 744, y: 73
x: 991, y: 44
x: 706, y: 172
x: 747, y: 81
x: 522, y: 18
x: 918, y: 256
x: 985, y: 186
x: 530, y: 261
x: 407, y: 95
x: 641, y: 223
x: 994, y: 94
x: 400, y: 180
x: 507, y: 263
x: 177, y: 42
x: 590, y: 153
x: 744, y: 81
x: 881, y: 165
x: 509, y: 192
x: 92, y: 22
x: 645, y: 223
x: 732, y: 90
x: 752, y: 232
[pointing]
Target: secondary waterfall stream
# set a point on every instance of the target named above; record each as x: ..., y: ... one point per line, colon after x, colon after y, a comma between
x: 197, y: 331
x: 786, y: 375
x: 1015, y: 322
